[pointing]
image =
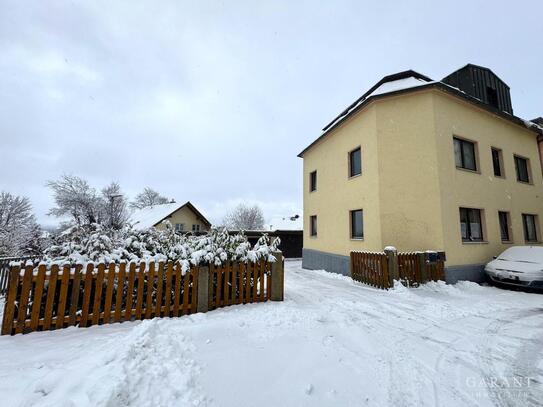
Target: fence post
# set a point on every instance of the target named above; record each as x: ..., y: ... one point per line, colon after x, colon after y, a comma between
x: 203, y: 290
x: 422, y: 267
x: 392, y: 260
x: 277, y: 277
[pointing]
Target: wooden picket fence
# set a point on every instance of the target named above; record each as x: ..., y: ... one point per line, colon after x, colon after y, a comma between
x: 239, y: 283
x: 41, y: 298
x: 380, y: 269
x: 370, y: 268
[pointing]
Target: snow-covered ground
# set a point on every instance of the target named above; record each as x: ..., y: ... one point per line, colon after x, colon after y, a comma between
x: 332, y: 342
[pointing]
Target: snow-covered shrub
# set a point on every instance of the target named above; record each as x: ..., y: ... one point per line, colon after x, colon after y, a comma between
x: 94, y: 243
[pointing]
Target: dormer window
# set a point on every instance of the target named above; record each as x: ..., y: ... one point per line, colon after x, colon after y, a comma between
x: 492, y: 96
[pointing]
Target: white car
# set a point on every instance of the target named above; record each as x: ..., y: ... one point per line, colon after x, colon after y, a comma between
x: 519, y: 266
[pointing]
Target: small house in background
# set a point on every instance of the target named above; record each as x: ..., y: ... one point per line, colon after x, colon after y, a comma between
x: 183, y: 217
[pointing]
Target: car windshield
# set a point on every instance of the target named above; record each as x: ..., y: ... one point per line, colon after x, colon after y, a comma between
x: 524, y: 254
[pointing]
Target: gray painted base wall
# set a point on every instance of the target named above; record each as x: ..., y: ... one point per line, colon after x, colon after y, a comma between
x: 469, y: 272
x: 334, y: 263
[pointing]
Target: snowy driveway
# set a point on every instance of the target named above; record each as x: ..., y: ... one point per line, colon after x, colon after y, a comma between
x: 332, y: 342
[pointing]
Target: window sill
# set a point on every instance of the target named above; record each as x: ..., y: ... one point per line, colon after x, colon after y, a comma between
x: 507, y: 242
x: 480, y: 242
x: 525, y: 183
x: 468, y: 170
x: 354, y: 176
x: 312, y: 191
x: 313, y: 236
x: 499, y: 176
x: 357, y: 239
x: 532, y: 242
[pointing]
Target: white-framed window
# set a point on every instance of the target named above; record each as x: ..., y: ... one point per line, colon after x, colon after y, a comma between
x: 195, y: 228
x: 179, y: 227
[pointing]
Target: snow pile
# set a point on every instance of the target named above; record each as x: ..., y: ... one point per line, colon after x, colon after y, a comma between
x: 94, y: 243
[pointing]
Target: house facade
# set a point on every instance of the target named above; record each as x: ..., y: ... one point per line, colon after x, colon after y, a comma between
x: 183, y: 218
x: 424, y: 165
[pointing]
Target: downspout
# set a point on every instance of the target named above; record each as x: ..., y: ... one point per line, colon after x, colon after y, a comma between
x: 540, y: 147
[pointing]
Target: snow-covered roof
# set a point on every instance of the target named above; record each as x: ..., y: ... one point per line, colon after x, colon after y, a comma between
x: 285, y: 223
x: 398, y: 84
x: 148, y: 217
x: 406, y: 81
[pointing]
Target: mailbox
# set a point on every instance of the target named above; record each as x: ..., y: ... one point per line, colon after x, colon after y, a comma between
x: 432, y: 257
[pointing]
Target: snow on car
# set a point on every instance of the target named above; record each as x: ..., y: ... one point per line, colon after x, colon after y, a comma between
x: 519, y: 266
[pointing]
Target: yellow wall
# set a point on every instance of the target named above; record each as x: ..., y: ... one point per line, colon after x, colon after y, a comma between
x: 410, y: 189
x: 408, y: 173
x: 186, y: 216
x: 482, y: 190
x: 337, y: 194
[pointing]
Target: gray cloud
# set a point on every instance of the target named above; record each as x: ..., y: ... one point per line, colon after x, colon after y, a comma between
x: 211, y: 101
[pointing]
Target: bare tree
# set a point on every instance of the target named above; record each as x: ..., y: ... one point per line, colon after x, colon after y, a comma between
x: 19, y: 231
x: 148, y: 197
x: 115, y: 210
x: 245, y: 217
x: 75, y: 198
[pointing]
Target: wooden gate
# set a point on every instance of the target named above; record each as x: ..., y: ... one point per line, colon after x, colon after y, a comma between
x: 380, y: 269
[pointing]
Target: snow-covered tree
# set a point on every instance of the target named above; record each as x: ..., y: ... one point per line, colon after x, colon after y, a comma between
x: 80, y: 244
x: 148, y: 197
x: 19, y: 232
x: 75, y: 198
x: 115, y: 208
x: 245, y: 217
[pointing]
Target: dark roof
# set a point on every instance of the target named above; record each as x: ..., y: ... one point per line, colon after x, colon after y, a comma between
x: 364, y: 101
x: 484, y: 68
x: 389, y: 78
x: 538, y: 120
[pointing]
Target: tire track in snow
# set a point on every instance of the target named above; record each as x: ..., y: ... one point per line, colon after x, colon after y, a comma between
x: 522, y: 365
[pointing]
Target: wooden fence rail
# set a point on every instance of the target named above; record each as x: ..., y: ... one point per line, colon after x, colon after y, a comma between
x: 380, y: 269
x: 41, y: 298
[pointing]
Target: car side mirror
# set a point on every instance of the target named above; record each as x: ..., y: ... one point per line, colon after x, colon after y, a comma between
x: 494, y: 257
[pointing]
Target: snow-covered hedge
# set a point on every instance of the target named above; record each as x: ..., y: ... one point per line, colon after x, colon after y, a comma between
x: 94, y: 243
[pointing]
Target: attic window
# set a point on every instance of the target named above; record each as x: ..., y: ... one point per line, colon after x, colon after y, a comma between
x: 492, y: 96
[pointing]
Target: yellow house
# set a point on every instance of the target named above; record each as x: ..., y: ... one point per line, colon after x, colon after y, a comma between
x: 424, y: 165
x: 183, y: 217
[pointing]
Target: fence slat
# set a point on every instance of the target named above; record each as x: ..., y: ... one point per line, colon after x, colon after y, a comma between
x: 51, y: 288
x: 194, y: 290
x: 186, y: 282
x: 139, y: 295
x: 120, y: 289
x: 150, y: 284
x: 235, y: 296
x: 98, y: 294
x: 86, y: 296
x: 74, y: 302
x: 177, y: 293
x: 38, y: 293
x: 63, y: 296
x: 159, y: 284
x: 130, y: 292
x: 109, y: 292
x: 168, y: 293
x: 9, y: 308
x: 23, y: 299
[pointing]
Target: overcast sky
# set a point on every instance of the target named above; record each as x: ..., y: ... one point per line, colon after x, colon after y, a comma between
x: 211, y: 101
